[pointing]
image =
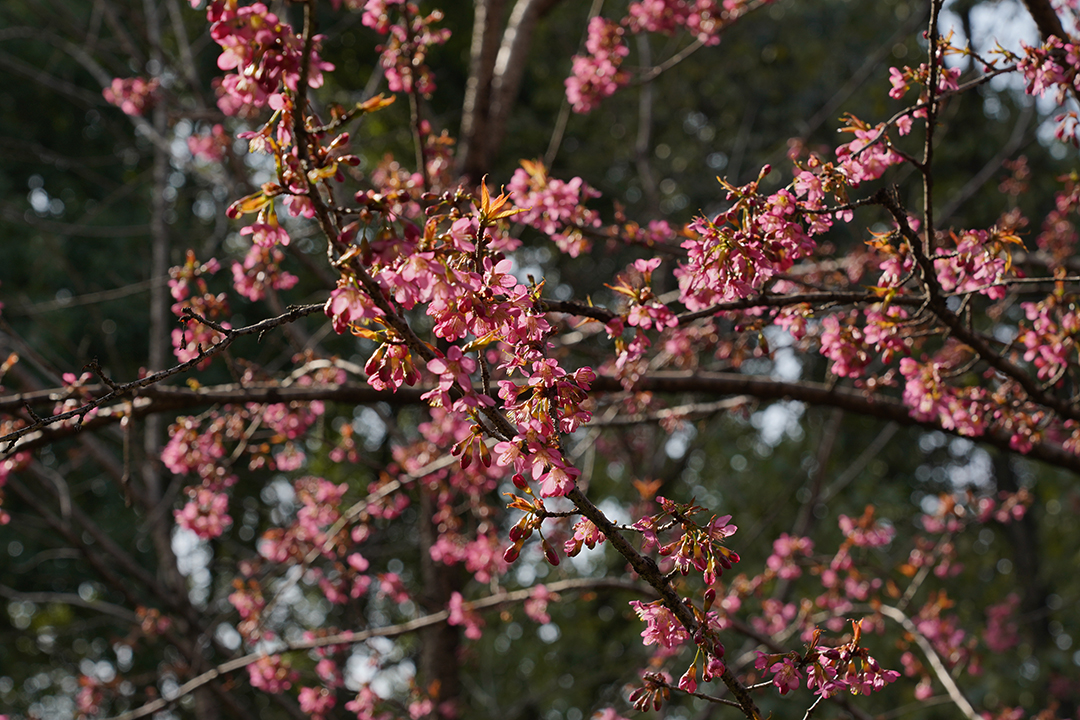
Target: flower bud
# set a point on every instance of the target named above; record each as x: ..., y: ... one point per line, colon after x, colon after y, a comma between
x: 512, y: 553
x: 549, y: 553
x: 519, y: 481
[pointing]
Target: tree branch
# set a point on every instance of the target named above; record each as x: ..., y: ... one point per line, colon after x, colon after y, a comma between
x: 351, y: 638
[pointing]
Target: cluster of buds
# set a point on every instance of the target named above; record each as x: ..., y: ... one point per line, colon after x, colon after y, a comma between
x: 828, y: 670
x: 698, y: 547
x: 532, y: 520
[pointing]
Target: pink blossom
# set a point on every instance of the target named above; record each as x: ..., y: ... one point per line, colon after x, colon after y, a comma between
x: 733, y: 255
x: 260, y: 271
x: 785, y: 549
x: 1002, y: 629
x: 786, y: 676
x: 866, y: 534
x: 272, y: 674
x: 266, y: 55
x: 843, y: 344
x: 206, y: 514
x: 316, y: 702
x: 585, y: 533
x: 460, y: 615
x: 703, y: 18
x: 536, y: 605
x: 899, y: 82
x: 554, y: 207
x: 132, y: 95
x: 597, y: 75
x: 210, y: 147
x: 661, y: 627
x: 348, y: 304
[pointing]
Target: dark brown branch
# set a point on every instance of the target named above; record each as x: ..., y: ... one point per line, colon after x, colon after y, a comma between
x: 650, y: 573
x: 1047, y: 20
x: 160, y: 399
x: 129, y: 388
x: 960, y: 330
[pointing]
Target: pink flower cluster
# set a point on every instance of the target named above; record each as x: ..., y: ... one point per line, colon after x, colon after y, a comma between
x: 265, y: 53
x: 597, y: 75
x: 482, y: 556
x: 869, y: 155
x: 703, y: 18
x: 1002, y: 631
x: 209, y: 147
x: 1049, y: 340
x: 931, y: 398
x: 585, y: 534
x: 192, y: 449
x: 260, y: 271
x: 786, y: 550
x: 412, y: 36
x: 1059, y: 235
x: 697, y: 547
x: 316, y: 702
x: 1006, y: 508
x: 190, y: 290
x: 828, y: 670
x: 865, y: 531
x: 462, y: 615
x: 661, y: 626
x: 554, y: 207
x: 775, y: 617
x: 132, y: 95
x: 1054, y: 65
x: 206, y: 514
x: 732, y: 256
x: 272, y: 674
x: 977, y: 264
x: 844, y: 344
x: 947, y: 79
x: 943, y: 631
x: 551, y: 403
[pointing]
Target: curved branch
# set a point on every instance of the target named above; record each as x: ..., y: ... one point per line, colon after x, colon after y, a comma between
x: 351, y: 638
x: 935, y: 661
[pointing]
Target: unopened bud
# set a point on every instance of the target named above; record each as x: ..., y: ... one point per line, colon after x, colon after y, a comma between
x: 549, y: 553
x: 519, y: 481
x: 512, y: 553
